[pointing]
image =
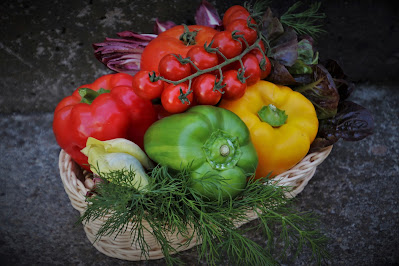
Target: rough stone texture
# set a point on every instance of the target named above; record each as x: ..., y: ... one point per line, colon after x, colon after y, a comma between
x: 46, y: 45
x: 46, y: 53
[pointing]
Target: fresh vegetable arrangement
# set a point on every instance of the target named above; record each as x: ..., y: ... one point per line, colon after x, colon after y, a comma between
x: 191, y: 132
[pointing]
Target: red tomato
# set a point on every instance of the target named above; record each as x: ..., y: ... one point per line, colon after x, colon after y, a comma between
x: 233, y: 13
x: 161, y: 112
x: 204, y: 92
x: 170, y: 98
x: 201, y: 58
x: 168, y: 42
x: 224, y: 41
x: 252, y: 69
x: 144, y: 87
x: 241, y: 25
x: 234, y: 88
x: 268, y: 66
x: 170, y: 68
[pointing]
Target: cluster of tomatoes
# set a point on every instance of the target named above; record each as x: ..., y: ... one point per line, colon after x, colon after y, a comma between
x: 228, y: 62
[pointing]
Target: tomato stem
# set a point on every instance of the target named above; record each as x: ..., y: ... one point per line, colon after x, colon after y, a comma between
x: 183, y: 96
x: 217, y: 67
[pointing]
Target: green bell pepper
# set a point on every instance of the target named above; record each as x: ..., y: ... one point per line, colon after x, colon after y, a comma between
x: 214, y: 143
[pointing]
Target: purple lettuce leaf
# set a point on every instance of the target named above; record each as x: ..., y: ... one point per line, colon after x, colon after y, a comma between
x: 123, y: 55
x: 322, y: 92
x: 280, y: 74
x: 207, y: 15
x: 352, y: 122
x: 284, y: 48
x: 271, y: 27
x: 344, y: 87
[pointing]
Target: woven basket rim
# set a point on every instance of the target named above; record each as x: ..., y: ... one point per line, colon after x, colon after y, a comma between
x: 121, y: 247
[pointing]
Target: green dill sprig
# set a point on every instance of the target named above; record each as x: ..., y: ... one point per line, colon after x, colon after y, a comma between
x: 305, y: 22
x: 168, y: 204
x: 257, y: 9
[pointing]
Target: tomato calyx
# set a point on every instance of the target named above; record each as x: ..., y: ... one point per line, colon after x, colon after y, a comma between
x: 239, y: 37
x: 239, y: 47
x: 153, y: 76
x: 182, y: 60
x: 188, y: 37
x: 218, y: 86
x: 183, y: 97
x: 251, y: 25
x: 241, y: 75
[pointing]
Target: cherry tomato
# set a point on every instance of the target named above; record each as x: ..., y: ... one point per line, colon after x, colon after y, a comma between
x: 161, y: 112
x: 168, y: 42
x: 170, y: 68
x: 234, y: 88
x: 170, y: 98
x: 144, y: 87
x: 252, y: 69
x: 204, y: 92
x: 241, y: 26
x: 268, y: 66
x: 224, y: 41
x: 233, y: 13
x: 201, y: 58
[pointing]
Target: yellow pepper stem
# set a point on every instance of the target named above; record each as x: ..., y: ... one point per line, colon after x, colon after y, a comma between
x: 272, y: 115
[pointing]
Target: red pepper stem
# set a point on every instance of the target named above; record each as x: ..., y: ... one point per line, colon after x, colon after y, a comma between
x: 88, y: 95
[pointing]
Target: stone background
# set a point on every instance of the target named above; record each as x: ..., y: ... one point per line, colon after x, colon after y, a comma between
x: 45, y: 53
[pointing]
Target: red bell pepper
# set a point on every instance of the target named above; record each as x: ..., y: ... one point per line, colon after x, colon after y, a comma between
x: 105, y: 109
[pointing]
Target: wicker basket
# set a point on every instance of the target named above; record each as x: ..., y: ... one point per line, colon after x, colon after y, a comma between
x: 121, y: 247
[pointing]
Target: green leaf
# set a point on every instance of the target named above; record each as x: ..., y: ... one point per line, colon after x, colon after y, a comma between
x: 300, y: 67
x: 305, y: 52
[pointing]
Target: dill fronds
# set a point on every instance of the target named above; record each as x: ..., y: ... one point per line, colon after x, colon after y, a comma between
x: 169, y: 205
x: 305, y: 22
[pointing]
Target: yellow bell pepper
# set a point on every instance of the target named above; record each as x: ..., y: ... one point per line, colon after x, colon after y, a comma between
x: 282, y: 123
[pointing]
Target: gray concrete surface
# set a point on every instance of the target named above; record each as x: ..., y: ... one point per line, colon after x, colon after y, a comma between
x: 45, y: 54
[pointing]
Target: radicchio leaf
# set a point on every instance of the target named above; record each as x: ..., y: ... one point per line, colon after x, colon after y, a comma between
x: 321, y: 92
x: 280, y: 74
x: 123, y: 55
x: 284, y: 48
x: 344, y: 87
x: 352, y: 122
x: 271, y: 26
x: 207, y: 15
x: 162, y: 26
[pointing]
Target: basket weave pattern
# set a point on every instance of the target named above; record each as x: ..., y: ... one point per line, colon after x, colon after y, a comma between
x: 121, y: 247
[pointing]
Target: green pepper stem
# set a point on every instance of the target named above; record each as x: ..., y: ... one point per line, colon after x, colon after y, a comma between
x: 224, y: 150
x: 272, y: 115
